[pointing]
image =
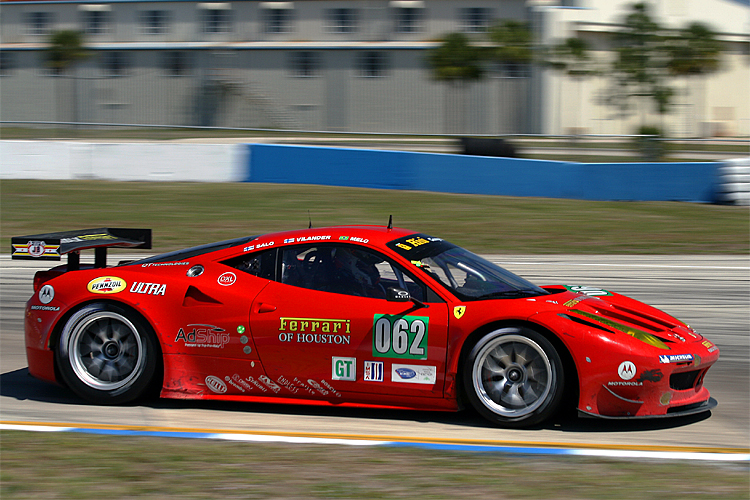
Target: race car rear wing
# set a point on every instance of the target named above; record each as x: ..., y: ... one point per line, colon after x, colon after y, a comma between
x: 52, y: 246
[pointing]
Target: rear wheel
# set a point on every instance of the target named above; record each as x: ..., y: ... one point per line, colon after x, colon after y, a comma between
x: 514, y: 377
x: 107, y: 354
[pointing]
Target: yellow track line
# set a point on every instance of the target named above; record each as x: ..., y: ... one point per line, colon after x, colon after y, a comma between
x: 400, y: 439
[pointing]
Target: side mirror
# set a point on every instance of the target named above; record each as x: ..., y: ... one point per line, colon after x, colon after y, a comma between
x: 400, y: 295
x: 397, y: 295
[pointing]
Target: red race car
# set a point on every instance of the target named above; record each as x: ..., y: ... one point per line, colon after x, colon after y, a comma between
x: 351, y: 316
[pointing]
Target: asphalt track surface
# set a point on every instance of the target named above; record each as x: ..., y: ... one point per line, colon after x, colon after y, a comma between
x: 711, y: 293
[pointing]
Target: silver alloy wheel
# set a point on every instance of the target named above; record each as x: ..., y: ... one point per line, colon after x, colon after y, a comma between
x: 105, y: 351
x: 512, y: 376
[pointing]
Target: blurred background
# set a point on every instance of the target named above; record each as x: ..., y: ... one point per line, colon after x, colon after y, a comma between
x: 676, y: 69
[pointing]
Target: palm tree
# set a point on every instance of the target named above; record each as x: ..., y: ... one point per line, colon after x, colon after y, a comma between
x: 512, y: 46
x: 571, y: 57
x: 64, y: 51
x: 694, y: 52
x: 456, y: 62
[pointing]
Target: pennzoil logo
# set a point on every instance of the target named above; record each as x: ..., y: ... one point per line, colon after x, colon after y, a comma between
x: 106, y: 284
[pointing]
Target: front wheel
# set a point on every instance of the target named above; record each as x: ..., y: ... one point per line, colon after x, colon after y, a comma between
x: 107, y: 354
x: 514, y: 377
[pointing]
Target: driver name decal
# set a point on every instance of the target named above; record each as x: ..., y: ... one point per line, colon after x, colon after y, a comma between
x: 396, y: 336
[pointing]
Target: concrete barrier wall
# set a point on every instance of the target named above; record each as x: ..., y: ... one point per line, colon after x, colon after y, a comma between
x: 697, y: 182
x: 483, y: 175
x: 123, y: 161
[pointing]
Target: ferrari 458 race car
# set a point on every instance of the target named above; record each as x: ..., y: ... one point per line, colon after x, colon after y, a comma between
x: 350, y: 316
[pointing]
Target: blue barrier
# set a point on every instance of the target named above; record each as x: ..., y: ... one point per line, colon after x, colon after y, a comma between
x: 696, y: 182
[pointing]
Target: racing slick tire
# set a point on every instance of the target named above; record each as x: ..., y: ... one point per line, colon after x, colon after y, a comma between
x: 106, y: 354
x: 514, y: 377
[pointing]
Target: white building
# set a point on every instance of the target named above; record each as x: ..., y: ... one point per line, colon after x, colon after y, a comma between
x: 349, y: 65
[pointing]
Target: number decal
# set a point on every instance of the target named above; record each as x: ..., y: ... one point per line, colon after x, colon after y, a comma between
x: 403, y: 337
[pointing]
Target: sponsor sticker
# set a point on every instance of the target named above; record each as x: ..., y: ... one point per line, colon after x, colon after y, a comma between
x: 203, y: 336
x: 675, y: 358
x: 148, y: 288
x: 46, y: 294
x: 36, y: 249
x: 343, y: 368
x: 216, y: 384
x: 626, y: 370
x: 396, y: 336
x: 373, y: 371
x: 413, y: 374
x: 589, y: 290
x: 106, y: 284
x: 227, y: 279
x: 45, y: 308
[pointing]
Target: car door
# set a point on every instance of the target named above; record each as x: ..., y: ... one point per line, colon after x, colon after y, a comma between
x: 326, y: 328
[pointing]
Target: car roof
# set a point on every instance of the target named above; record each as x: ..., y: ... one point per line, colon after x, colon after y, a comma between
x: 376, y: 236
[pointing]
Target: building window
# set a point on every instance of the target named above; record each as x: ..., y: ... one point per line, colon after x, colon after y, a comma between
x: 408, y: 15
x: 277, y: 17
x: 176, y: 63
x: 217, y: 17
x: 475, y: 19
x: 115, y: 63
x: 97, y: 19
x: 343, y: 20
x: 7, y: 62
x: 372, y: 64
x: 305, y: 64
x: 512, y: 70
x: 154, y: 22
x: 39, y: 23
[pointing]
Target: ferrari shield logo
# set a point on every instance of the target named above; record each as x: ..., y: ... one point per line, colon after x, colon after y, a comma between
x: 459, y: 311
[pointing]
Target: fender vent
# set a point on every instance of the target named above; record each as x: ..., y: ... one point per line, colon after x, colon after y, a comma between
x: 194, y: 297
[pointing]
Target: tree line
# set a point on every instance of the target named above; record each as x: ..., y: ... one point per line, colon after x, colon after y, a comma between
x: 647, y: 56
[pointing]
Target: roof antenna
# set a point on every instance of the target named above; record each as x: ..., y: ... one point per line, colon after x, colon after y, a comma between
x: 390, y: 222
x: 310, y: 219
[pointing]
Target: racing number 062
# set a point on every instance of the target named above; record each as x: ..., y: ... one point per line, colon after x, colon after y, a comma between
x: 400, y: 336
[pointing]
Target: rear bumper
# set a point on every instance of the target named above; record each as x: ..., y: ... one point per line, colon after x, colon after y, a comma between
x: 41, y: 364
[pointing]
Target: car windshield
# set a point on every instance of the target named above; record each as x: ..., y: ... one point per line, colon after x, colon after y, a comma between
x: 466, y: 275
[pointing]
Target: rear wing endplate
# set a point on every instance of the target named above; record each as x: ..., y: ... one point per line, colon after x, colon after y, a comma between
x: 52, y: 246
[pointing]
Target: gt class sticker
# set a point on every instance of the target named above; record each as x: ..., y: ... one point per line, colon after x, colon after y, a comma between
x: 413, y: 374
x: 396, y: 336
x: 344, y: 368
x: 106, y: 284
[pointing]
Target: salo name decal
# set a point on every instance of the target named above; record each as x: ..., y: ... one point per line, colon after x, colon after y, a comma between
x: 148, y: 288
x: 106, y: 284
x: 315, y: 330
x: 413, y: 374
x: 397, y: 336
x: 203, y: 336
